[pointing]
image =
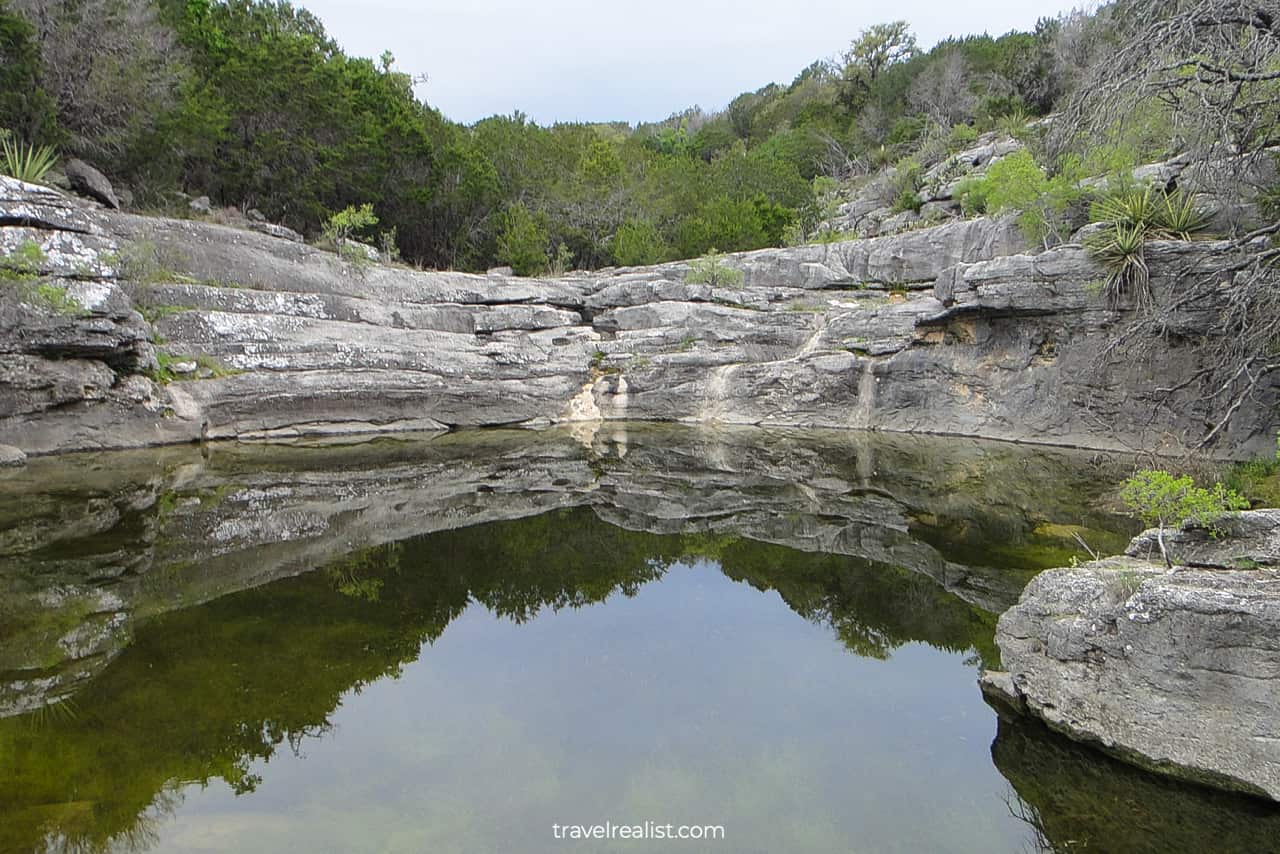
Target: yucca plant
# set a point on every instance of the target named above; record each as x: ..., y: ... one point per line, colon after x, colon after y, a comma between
x: 30, y: 163
x: 1128, y: 207
x: 1119, y: 247
x: 1178, y: 217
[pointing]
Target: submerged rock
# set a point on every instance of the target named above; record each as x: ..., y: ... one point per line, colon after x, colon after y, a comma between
x: 1175, y: 671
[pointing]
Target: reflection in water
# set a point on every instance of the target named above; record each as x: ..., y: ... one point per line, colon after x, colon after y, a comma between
x: 1076, y: 799
x: 174, y: 620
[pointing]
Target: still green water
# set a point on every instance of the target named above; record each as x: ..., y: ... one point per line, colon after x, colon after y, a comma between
x: 455, y: 643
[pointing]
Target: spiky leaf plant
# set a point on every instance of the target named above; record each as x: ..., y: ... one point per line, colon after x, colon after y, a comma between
x: 30, y: 163
x: 1128, y: 207
x: 1177, y: 216
x: 1120, y: 249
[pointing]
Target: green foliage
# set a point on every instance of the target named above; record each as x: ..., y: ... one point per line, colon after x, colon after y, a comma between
x: 28, y: 163
x: 637, y: 242
x: 55, y: 298
x: 817, y: 221
x: 562, y: 262
x: 1129, y: 218
x: 1046, y: 207
x: 962, y: 137
x: 710, y: 269
x: 26, y: 108
x: 253, y: 104
x: 734, y: 224
x: 21, y: 270
x: 1121, y: 250
x: 1014, y: 182
x: 341, y: 228
x: 875, y: 50
x: 522, y: 242
x: 1178, y: 216
x: 1257, y: 480
x: 24, y: 263
x: 1131, y: 208
x: 1158, y: 498
x: 207, y: 367
x: 388, y: 247
x: 908, y: 178
x: 144, y: 262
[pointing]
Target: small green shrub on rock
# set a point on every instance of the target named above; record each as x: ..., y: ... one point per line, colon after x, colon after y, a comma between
x: 710, y: 269
x: 908, y: 178
x: 1160, y: 499
x: 22, y: 264
x: 1257, y: 480
x: 342, y: 227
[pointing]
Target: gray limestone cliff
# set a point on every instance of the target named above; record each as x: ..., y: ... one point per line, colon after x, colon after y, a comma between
x: 134, y: 331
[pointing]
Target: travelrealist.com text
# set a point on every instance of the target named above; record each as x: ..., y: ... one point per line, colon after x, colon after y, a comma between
x: 647, y: 830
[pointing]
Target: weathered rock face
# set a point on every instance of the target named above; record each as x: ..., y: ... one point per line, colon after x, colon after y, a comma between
x: 944, y: 329
x: 1178, y: 672
x: 86, y: 180
x: 93, y: 544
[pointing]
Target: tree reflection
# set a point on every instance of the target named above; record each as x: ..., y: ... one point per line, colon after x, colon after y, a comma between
x: 205, y: 693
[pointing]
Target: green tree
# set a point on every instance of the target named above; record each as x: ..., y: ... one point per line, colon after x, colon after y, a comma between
x: 876, y: 49
x: 26, y: 108
x: 523, y: 241
x: 637, y: 242
x: 342, y: 227
x: 1158, y: 498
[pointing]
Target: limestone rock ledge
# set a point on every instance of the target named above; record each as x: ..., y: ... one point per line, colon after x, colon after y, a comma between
x: 141, y: 331
x: 1174, y: 671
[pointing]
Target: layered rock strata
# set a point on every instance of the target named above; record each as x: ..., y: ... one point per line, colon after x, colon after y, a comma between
x: 138, y: 331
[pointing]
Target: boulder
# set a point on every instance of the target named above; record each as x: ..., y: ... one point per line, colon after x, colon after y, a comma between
x: 1175, y: 671
x: 274, y: 230
x: 87, y: 181
x: 11, y: 457
x: 200, y: 205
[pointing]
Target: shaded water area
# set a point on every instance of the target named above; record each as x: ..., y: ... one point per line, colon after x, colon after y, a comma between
x: 452, y: 643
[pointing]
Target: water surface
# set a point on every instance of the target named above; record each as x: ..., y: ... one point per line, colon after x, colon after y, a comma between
x: 453, y: 643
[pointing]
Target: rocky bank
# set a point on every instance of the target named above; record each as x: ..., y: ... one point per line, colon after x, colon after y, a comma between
x: 1175, y: 671
x: 132, y: 331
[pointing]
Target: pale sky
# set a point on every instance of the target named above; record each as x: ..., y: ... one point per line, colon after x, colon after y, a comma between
x: 577, y: 60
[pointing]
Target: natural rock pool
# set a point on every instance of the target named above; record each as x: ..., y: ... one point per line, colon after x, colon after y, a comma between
x: 453, y: 643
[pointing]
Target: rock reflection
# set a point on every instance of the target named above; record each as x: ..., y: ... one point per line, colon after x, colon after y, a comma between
x: 174, y: 617
x: 1075, y: 799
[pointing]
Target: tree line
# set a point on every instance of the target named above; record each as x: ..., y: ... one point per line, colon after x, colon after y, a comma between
x: 252, y: 103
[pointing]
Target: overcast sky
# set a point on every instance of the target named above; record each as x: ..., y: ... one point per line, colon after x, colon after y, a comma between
x: 578, y: 60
